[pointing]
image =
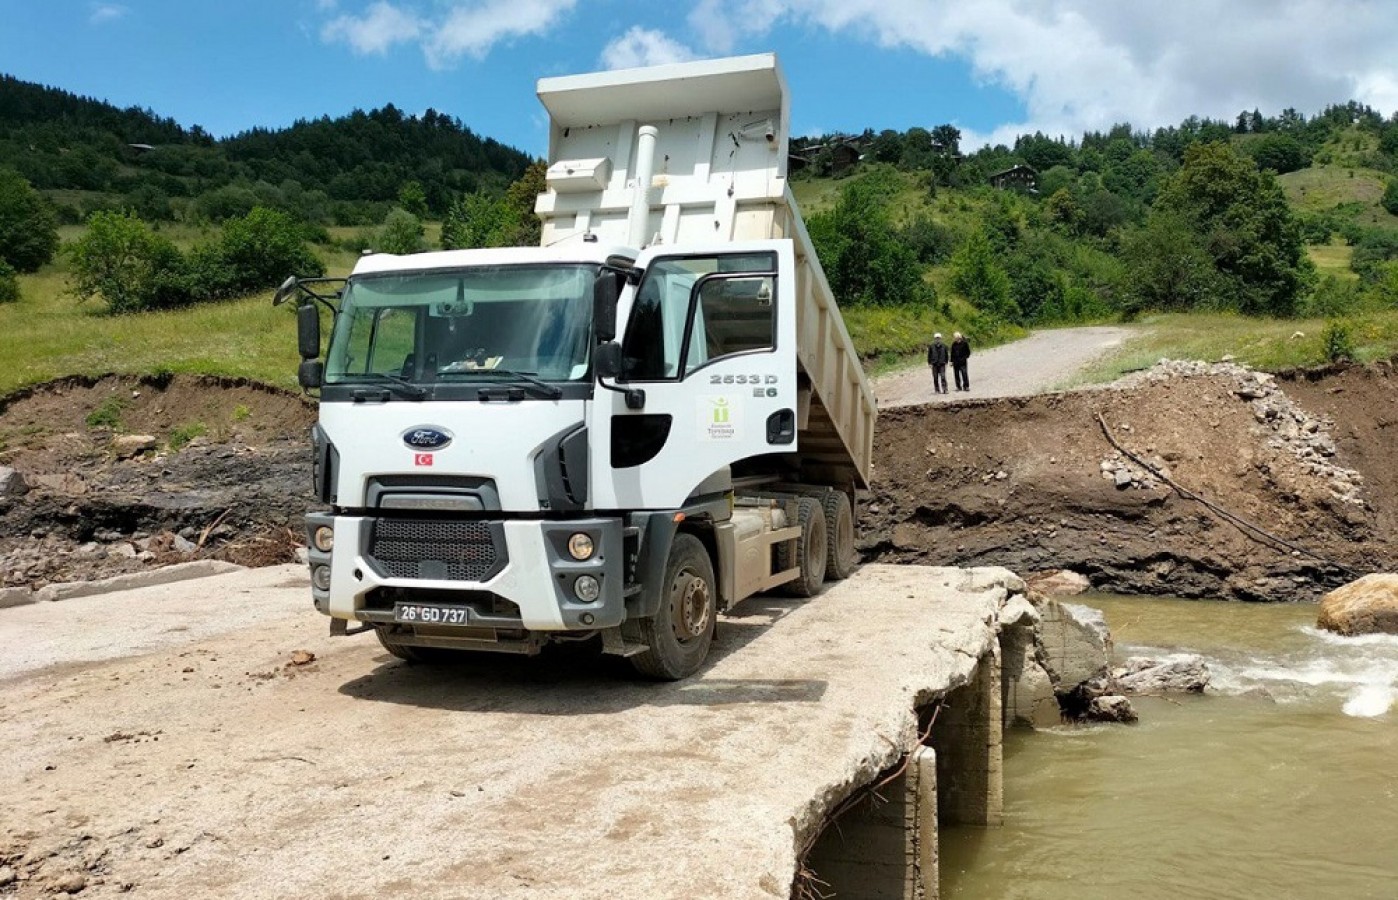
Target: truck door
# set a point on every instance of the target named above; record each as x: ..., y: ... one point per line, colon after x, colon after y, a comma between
x: 711, y: 340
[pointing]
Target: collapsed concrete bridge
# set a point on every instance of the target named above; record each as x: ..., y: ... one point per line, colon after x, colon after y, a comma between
x: 165, y: 738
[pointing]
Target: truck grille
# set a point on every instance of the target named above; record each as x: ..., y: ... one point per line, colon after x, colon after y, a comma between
x: 437, y: 549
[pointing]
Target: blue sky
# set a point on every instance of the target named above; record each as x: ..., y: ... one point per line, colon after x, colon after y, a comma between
x: 994, y: 68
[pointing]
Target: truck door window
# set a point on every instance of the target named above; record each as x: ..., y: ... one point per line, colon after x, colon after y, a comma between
x: 666, y: 302
x: 381, y: 343
x: 731, y: 315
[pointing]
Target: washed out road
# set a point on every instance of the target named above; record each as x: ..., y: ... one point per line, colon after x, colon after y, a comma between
x: 1033, y: 365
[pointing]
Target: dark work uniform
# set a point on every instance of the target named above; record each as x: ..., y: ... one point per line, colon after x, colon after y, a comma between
x: 960, y: 352
x: 937, y: 359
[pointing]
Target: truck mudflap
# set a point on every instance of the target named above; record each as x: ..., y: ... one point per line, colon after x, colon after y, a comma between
x: 430, y: 572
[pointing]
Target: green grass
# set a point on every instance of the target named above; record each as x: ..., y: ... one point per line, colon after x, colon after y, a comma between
x: 1267, y: 344
x: 1333, y: 259
x: 108, y: 415
x: 183, y: 434
x: 1350, y: 191
x: 49, y: 334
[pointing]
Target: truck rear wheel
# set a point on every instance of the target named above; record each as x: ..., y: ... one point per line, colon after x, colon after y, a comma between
x: 840, y: 555
x: 811, y: 550
x: 678, y: 637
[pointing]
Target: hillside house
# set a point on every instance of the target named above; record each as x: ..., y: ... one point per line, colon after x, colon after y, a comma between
x: 1017, y: 178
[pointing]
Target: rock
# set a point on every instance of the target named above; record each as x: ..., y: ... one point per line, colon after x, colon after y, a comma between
x: 1059, y: 582
x: 1182, y: 675
x: 1073, y: 643
x: 7, y: 875
x: 1123, y: 478
x: 12, y: 483
x: 1366, y: 606
x: 70, y: 882
x: 1111, y: 708
x: 302, y: 657
x: 128, y: 445
x: 182, y: 544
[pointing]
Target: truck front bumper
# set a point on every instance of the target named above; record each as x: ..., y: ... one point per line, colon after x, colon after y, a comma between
x: 504, y: 574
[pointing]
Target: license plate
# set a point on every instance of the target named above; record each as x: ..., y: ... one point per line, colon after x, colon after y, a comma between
x: 422, y: 614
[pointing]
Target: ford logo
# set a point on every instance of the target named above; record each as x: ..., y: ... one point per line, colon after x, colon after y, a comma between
x: 427, y: 437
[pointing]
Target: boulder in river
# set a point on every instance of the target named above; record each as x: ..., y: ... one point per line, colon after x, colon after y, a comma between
x: 1366, y: 606
x: 1180, y: 675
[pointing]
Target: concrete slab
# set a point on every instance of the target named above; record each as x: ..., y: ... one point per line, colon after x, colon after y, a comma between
x: 203, y: 762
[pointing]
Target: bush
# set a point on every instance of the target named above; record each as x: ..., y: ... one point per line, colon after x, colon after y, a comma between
x: 9, y: 283
x: 402, y: 232
x: 1339, y: 341
x: 253, y: 252
x: 123, y: 261
x: 28, y: 229
x: 1390, y: 196
x: 1333, y: 297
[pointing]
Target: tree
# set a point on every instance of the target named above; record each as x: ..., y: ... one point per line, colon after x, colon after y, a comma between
x: 1390, y: 196
x: 976, y: 276
x: 476, y: 220
x: 1246, y: 226
x: 28, y: 229
x: 258, y: 251
x: 1167, y: 266
x: 401, y: 233
x: 413, y: 198
x: 864, y: 258
x: 1279, y: 152
x: 123, y: 261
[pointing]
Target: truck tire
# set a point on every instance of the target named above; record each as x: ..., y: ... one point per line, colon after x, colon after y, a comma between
x: 811, y: 549
x: 840, y: 555
x: 678, y: 637
x: 409, y: 653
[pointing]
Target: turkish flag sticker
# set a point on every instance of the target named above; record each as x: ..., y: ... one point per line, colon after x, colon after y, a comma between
x: 422, y: 459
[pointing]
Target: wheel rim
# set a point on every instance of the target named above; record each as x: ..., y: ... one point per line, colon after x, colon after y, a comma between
x: 691, y: 605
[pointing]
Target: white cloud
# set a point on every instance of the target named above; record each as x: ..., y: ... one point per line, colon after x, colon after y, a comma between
x: 644, y: 47
x: 1082, y: 64
x: 106, y: 12
x: 380, y: 27
x: 448, y: 31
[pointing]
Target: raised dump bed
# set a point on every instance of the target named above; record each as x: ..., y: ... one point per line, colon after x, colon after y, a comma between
x: 719, y: 163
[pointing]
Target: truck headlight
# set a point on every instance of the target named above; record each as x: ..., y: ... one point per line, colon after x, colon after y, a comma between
x: 320, y: 578
x: 580, y: 547
x: 324, y: 538
x: 587, y: 588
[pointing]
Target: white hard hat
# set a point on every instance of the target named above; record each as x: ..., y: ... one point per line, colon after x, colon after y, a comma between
x: 938, y: 335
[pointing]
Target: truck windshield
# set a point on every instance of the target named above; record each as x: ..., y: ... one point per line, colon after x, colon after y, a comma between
x: 477, y: 324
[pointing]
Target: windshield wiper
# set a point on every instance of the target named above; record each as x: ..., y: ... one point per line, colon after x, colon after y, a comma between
x: 394, y: 383
x: 527, y: 379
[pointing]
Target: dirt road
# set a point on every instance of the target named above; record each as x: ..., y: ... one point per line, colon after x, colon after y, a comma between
x: 1036, y: 364
x: 161, y: 743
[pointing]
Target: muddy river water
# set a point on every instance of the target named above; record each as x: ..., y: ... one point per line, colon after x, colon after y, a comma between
x: 1282, y: 782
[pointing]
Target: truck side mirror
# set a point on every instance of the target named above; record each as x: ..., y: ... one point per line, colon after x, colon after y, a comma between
x: 308, y: 331
x: 606, y: 290
x: 606, y: 360
x: 310, y: 373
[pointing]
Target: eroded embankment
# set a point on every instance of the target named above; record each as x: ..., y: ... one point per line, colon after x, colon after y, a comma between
x: 1033, y: 484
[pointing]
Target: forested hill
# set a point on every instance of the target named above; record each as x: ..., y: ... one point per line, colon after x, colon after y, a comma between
x: 90, y: 155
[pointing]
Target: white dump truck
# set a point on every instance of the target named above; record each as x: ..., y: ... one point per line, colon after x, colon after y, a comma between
x: 618, y: 434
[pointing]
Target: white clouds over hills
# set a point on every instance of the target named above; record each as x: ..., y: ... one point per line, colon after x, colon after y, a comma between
x: 1074, y: 65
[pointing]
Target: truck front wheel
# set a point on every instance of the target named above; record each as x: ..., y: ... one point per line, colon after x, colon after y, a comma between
x: 678, y: 637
